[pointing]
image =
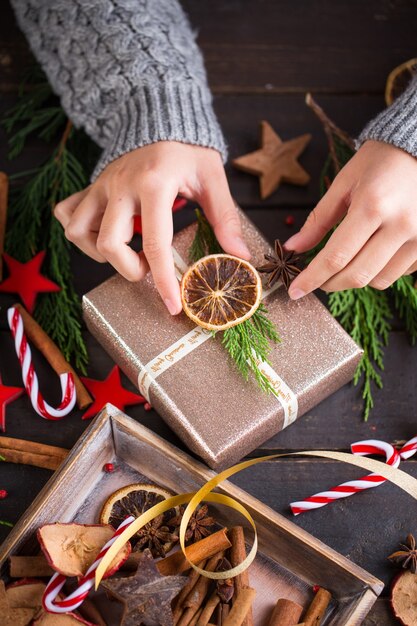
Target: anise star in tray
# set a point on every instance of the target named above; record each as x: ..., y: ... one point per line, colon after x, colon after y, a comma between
x: 280, y: 266
x: 200, y: 525
x: 407, y: 556
x: 156, y: 536
x: 146, y: 595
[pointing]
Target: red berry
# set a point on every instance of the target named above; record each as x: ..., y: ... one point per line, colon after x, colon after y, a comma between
x: 289, y: 220
x: 147, y: 406
x: 316, y: 588
x: 3, y: 494
x: 109, y: 468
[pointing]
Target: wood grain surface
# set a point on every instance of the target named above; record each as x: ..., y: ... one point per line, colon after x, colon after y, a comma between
x: 262, y: 56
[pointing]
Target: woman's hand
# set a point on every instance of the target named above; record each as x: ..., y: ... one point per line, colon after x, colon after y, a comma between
x: 146, y: 181
x: 376, y: 243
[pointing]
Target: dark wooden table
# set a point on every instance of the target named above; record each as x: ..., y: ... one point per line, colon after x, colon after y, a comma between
x: 262, y: 56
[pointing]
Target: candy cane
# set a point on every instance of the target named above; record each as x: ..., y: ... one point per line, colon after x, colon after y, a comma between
x: 409, y: 448
x: 30, y: 380
x: 361, y: 448
x: 77, y: 597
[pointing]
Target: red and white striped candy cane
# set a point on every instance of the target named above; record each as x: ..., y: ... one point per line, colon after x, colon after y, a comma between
x: 77, y: 597
x: 30, y: 380
x: 409, y: 449
x: 361, y: 448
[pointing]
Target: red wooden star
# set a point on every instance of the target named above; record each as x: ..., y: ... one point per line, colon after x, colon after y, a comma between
x: 109, y: 390
x: 137, y: 220
x: 7, y: 395
x: 26, y: 280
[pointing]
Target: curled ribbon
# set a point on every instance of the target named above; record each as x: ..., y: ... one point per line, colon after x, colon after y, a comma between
x: 394, y: 475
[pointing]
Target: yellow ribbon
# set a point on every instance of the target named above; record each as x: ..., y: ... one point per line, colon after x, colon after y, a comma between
x: 394, y: 475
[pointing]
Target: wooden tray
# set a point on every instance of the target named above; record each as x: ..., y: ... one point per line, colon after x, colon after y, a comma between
x: 289, y: 562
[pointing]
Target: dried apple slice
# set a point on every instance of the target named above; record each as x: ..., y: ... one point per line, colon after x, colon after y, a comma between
x: 404, y: 598
x: 25, y: 594
x: 61, y: 619
x: 71, y: 548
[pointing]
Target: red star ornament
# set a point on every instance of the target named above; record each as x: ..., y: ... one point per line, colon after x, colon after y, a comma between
x: 26, y: 280
x: 7, y: 395
x: 179, y: 203
x: 109, y: 390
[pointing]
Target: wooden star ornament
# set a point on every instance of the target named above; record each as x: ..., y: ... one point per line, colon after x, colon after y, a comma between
x: 109, y: 390
x: 7, y: 395
x: 146, y: 595
x: 276, y: 161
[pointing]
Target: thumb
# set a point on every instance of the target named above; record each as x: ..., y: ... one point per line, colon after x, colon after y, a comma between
x: 327, y: 213
x: 222, y: 213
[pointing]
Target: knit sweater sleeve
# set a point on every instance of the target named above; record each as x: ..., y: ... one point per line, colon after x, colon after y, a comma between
x: 397, y: 125
x: 127, y: 71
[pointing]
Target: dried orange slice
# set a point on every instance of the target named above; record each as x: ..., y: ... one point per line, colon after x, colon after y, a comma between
x: 220, y: 291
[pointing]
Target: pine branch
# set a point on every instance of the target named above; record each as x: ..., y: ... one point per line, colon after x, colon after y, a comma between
x: 248, y: 342
x: 30, y: 212
x: 405, y: 302
x: 204, y: 241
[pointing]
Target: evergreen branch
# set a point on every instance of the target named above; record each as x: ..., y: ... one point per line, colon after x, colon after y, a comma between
x: 405, y: 302
x: 365, y: 315
x: 204, y: 241
x: 3, y: 523
x: 30, y: 212
x: 248, y: 342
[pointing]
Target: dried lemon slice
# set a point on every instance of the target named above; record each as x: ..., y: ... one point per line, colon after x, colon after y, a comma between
x: 220, y: 291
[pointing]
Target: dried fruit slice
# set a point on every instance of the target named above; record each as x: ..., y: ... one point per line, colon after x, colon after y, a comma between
x: 398, y: 80
x: 404, y: 598
x: 220, y: 291
x: 134, y: 500
x: 71, y: 548
x: 63, y: 619
x: 25, y: 594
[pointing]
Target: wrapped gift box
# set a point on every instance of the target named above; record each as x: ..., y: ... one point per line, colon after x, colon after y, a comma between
x: 202, y: 397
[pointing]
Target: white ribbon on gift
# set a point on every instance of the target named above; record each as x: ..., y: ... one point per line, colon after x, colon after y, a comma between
x: 195, y: 338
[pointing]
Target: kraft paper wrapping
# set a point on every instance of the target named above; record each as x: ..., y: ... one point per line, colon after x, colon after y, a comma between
x: 220, y: 416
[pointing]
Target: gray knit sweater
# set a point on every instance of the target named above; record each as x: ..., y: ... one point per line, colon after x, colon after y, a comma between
x: 130, y: 73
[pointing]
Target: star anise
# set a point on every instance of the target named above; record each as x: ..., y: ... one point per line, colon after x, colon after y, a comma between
x: 156, y: 536
x: 407, y: 556
x: 281, y: 265
x: 200, y: 525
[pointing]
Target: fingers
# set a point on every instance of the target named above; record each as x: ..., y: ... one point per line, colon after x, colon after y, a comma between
x: 221, y: 212
x: 328, y: 212
x: 116, y: 232
x: 345, y: 243
x: 157, y: 232
x: 64, y: 209
x: 401, y: 263
x: 81, y: 228
x: 368, y: 263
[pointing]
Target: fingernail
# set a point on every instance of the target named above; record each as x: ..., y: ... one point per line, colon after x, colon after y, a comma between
x: 244, y: 250
x: 296, y: 294
x: 291, y: 243
x: 172, y: 307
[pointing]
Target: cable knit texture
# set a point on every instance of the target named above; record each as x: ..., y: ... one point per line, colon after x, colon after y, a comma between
x: 127, y: 71
x: 396, y: 125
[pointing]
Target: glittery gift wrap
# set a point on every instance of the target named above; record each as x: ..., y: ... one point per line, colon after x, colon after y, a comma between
x: 202, y: 397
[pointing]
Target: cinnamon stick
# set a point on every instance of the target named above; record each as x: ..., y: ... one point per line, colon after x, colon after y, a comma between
x: 193, y: 577
x: 195, y: 599
x: 4, y: 192
x: 208, y: 609
x: 176, y: 563
x: 237, y: 555
x: 53, y: 354
x: 241, y: 607
x: 285, y: 613
x: 317, y: 608
x: 31, y: 453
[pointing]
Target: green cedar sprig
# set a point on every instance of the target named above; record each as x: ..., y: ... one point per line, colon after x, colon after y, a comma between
x: 250, y: 340
x: 364, y: 313
x: 31, y: 226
